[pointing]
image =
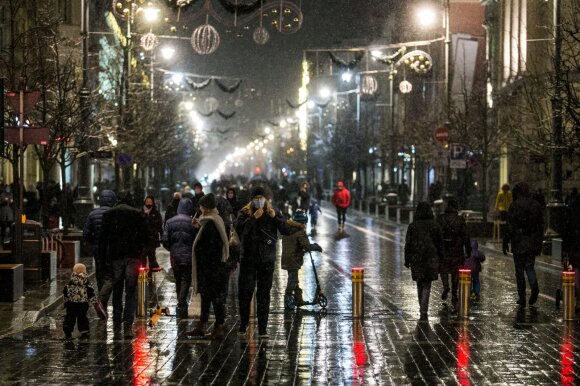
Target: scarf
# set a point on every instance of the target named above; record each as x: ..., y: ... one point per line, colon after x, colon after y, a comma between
x: 212, y: 215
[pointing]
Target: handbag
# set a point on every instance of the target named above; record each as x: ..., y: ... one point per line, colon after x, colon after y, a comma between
x: 234, y: 238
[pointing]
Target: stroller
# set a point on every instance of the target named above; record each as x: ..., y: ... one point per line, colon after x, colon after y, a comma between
x: 319, y: 298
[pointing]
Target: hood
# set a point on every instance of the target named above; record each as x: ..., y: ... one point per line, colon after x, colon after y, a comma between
x: 107, y: 198
x: 295, y: 225
x: 522, y: 189
x: 234, y: 192
x: 185, y: 207
x: 474, y: 245
x: 79, y: 278
x: 340, y: 184
x: 423, y: 211
x: 152, y: 199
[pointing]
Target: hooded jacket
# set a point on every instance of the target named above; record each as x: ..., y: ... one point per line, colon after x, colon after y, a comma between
x: 473, y: 262
x: 341, y: 197
x: 92, y: 228
x: 295, y: 245
x: 259, y: 236
x: 179, y: 234
x: 171, y: 209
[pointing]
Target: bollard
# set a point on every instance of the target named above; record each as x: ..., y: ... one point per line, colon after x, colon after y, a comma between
x: 253, y: 307
x: 141, y: 292
x: 464, y: 292
x: 410, y: 216
x: 398, y: 215
x: 387, y: 212
x: 568, y: 287
x: 358, y: 298
x: 377, y: 209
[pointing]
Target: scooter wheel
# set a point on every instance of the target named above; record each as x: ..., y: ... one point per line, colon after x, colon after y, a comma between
x: 322, y: 301
x: 289, y: 302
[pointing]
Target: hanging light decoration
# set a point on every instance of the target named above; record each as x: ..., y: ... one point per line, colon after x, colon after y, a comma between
x: 405, y: 86
x: 368, y: 85
x: 261, y: 34
x: 149, y: 41
x: 205, y: 39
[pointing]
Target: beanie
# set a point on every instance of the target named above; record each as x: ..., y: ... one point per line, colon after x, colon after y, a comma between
x: 208, y: 201
x: 258, y: 191
x: 300, y: 216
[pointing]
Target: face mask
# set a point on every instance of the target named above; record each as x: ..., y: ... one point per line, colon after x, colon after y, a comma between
x: 148, y: 206
x: 259, y: 202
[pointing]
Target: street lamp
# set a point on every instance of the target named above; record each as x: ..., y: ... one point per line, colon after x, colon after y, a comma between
x: 167, y: 52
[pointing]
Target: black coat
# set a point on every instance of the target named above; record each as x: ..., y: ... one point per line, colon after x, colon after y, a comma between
x: 123, y: 233
x: 92, y: 228
x: 211, y: 271
x: 525, y: 227
x: 423, y: 249
x: 171, y: 209
x: 155, y: 228
x: 456, y: 245
x: 179, y: 234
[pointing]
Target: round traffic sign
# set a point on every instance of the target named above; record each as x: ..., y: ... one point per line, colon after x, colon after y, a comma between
x: 442, y: 134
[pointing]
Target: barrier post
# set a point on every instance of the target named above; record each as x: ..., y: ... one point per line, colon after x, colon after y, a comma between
x: 141, y: 292
x: 358, y: 292
x: 398, y: 215
x: 568, y: 287
x: 464, y: 292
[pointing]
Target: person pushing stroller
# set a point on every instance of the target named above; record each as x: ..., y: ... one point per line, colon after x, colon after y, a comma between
x: 293, y: 248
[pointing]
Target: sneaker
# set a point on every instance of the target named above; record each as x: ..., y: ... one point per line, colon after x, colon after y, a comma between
x: 243, y: 332
x: 444, y: 294
x: 199, y: 329
x: 477, y: 298
x: 218, y: 332
x: 84, y: 335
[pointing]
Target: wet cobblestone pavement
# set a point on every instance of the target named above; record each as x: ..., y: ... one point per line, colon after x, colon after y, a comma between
x: 497, y: 345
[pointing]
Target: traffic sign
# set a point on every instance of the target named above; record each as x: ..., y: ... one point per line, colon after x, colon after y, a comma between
x: 124, y: 160
x: 30, y: 99
x: 31, y: 135
x: 458, y: 156
x: 441, y: 134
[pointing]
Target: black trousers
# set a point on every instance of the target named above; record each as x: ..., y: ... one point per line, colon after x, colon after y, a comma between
x: 182, y: 283
x: 76, y: 313
x: 454, y: 282
x: 252, y: 272
x: 423, y: 292
x: 341, y: 214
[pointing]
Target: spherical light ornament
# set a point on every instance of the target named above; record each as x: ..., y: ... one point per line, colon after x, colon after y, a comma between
x: 405, y: 87
x: 205, y: 39
x: 239, y: 103
x: 261, y: 36
x: 149, y: 41
x: 211, y: 104
x: 368, y: 85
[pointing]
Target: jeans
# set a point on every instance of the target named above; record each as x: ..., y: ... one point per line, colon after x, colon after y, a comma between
x: 341, y: 213
x: 251, y: 272
x: 525, y: 263
x: 125, y: 275
x: 454, y: 283
x: 76, y: 313
x: 423, y: 292
x: 182, y: 283
x: 475, y: 284
x: 292, y: 284
x: 149, y: 255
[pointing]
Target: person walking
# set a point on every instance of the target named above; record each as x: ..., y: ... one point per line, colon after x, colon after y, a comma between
x: 571, y: 245
x: 153, y: 236
x: 92, y: 235
x: 423, y: 252
x: 78, y: 294
x: 209, y: 270
x: 232, y: 197
x: 456, y: 247
x: 178, y: 236
x: 525, y: 231
x: 122, y: 242
x: 257, y: 226
x: 293, y: 248
x: 341, y: 200
x: 171, y: 209
x: 503, y: 201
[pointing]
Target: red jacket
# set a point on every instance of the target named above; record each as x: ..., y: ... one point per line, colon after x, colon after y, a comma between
x: 341, y: 198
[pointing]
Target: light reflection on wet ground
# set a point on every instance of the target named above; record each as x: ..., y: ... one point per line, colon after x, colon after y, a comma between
x: 497, y: 345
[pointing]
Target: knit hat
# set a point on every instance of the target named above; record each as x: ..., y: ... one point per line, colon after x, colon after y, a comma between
x: 208, y: 201
x: 79, y: 268
x: 300, y: 216
x: 258, y: 191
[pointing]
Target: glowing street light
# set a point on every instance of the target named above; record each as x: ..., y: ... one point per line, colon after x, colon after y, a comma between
x: 426, y: 16
x: 346, y: 77
x: 325, y: 92
x: 151, y: 13
x: 167, y: 52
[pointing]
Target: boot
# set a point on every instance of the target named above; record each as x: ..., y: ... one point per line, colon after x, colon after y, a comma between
x: 218, y: 332
x: 199, y: 329
x: 298, y: 300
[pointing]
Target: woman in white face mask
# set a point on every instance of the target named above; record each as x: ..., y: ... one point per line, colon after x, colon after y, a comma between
x: 257, y: 225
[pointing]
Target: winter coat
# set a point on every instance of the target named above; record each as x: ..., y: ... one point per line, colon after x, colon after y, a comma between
x: 179, y: 234
x: 313, y: 211
x: 525, y: 228
x: 423, y: 249
x: 78, y: 290
x: 210, y: 253
x: 341, y: 198
x: 259, y: 236
x: 295, y: 245
x: 456, y: 245
x: 225, y: 210
x: 154, y: 227
x: 473, y: 262
x: 92, y: 228
x: 503, y: 201
x: 123, y: 233
x: 571, y: 234
x: 235, y: 203
x: 171, y: 210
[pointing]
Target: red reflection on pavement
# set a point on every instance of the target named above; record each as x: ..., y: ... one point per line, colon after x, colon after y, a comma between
x: 359, y: 351
x: 567, y: 359
x: 140, y: 356
x: 463, y: 357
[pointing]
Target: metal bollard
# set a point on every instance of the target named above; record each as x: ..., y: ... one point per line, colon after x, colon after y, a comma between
x: 387, y: 212
x: 568, y: 287
x: 398, y: 215
x: 377, y: 209
x: 358, y: 298
x: 411, y: 214
x: 141, y: 292
x: 464, y: 292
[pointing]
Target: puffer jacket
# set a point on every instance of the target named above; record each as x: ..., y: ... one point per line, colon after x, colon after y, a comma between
x: 423, y: 247
x: 78, y: 290
x: 92, y: 228
x: 294, y: 245
x: 179, y: 234
x: 456, y: 245
x: 259, y: 236
x: 341, y: 198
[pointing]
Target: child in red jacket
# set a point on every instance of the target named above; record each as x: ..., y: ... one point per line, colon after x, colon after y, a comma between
x: 341, y: 199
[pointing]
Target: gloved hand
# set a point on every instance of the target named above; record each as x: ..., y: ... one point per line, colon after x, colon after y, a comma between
x: 505, y: 248
x: 316, y: 247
